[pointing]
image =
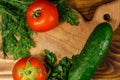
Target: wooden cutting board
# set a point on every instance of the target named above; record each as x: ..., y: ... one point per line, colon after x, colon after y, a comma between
x: 66, y: 40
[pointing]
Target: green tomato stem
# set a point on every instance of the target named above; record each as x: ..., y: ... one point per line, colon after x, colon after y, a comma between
x: 28, y: 72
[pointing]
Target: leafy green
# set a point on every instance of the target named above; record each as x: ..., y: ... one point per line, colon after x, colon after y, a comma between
x: 59, y: 71
x: 16, y: 38
x: 66, y: 12
x: 50, y: 57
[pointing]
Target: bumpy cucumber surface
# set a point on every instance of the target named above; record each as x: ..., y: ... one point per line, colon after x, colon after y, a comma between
x: 92, y: 54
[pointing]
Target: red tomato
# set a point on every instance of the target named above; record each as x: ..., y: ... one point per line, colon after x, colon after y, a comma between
x: 29, y: 69
x: 42, y: 16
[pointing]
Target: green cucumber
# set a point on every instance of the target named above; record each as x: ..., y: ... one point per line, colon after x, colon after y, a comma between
x: 92, y: 54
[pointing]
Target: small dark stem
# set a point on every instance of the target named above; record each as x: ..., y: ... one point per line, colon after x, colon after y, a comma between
x: 28, y: 72
x: 36, y: 14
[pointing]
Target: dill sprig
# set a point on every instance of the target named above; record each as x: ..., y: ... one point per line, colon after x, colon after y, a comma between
x: 16, y: 38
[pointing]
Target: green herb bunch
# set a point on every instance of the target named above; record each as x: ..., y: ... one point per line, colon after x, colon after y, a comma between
x: 66, y: 12
x: 59, y: 71
x: 15, y: 33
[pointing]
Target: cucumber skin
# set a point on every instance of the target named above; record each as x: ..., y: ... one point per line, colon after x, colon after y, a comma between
x: 92, y: 54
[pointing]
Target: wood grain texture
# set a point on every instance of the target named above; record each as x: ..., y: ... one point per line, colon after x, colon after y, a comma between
x: 87, y: 8
x: 66, y: 40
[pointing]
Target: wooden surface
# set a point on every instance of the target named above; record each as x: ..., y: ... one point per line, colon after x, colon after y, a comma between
x: 66, y: 40
x: 87, y: 8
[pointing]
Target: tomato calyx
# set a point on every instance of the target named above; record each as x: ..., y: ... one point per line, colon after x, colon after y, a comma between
x: 36, y: 14
x: 28, y: 72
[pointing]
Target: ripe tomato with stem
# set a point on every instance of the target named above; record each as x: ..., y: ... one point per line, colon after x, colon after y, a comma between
x: 29, y: 69
x: 42, y: 16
